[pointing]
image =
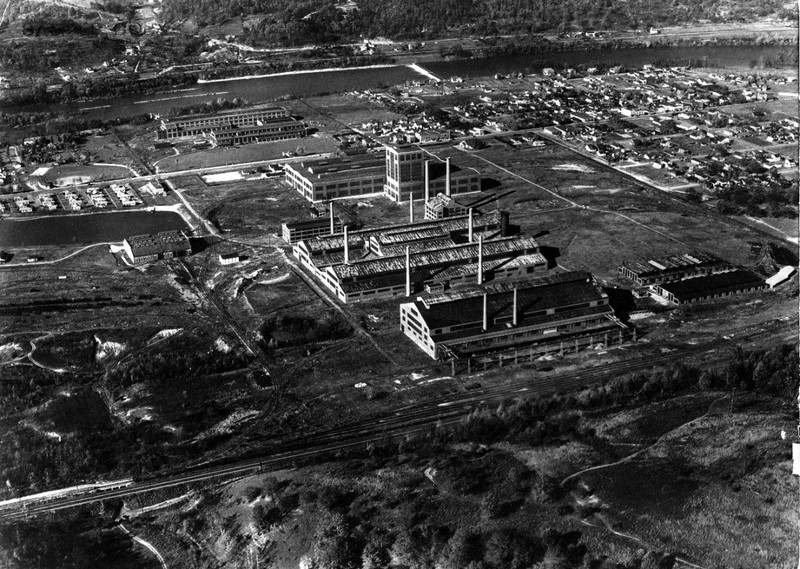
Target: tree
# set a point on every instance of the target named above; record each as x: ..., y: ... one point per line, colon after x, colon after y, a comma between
x: 376, y: 552
x: 462, y: 549
x: 334, y: 546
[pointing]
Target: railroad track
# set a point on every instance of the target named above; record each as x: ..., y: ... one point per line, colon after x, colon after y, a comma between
x: 402, y: 421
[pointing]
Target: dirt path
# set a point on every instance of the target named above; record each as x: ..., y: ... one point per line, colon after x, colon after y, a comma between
x: 645, y: 449
x: 605, y: 523
x: 54, y: 261
x: 144, y: 543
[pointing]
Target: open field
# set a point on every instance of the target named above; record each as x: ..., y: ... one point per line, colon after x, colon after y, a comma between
x: 198, y: 159
x: 723, y: 476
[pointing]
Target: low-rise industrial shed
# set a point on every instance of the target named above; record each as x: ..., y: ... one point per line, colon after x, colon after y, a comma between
x: 555, y: 308
x: 719, y: 285
x: 672, y: 268
x: 296, y: 231
x: 164, y: 245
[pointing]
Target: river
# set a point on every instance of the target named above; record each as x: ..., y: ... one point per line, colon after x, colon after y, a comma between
x: 85, y: 229
x: 315, y: 83
x: 253, y: 90
x: 635, y: 57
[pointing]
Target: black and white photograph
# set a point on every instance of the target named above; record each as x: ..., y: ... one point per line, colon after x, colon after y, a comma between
x: 399, y: 284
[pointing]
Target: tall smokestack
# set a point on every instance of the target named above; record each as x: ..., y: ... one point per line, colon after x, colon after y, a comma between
x: 480, y: 259
x: 346, y: 247
x: 447, y: 177
x: 331, y: 210
x: 514, y: 314
x: 408, y: 270
x: 470, y: 226
x: 411, y: 207
x: 505, y: 230
x: 427, y: 181
x: 485, y: 312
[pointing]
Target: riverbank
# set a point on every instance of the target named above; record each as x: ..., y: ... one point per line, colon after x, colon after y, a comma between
x: 298, y: 72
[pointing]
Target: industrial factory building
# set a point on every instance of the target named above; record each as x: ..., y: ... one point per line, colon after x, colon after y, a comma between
x: 337, y: 178
x: 339, y: 218
x: 431, y: 255
x: 672, y: 268
x: 196, y: 125
x: 445, y: 206
x: 164, y: 245
x: 269, y: 130
x: 412, y: 173
x: 399, y: 173
x: 236, y: 127
x: 709, y: 287
x: 551, y: 310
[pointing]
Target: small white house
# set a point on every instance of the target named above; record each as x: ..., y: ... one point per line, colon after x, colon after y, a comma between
x: 229, y: 258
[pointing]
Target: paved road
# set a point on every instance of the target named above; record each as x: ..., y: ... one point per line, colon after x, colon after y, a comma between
x: 401, y: 421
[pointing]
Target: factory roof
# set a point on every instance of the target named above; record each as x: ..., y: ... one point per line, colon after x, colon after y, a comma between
x: 444, y: 273
x: 230, y: 116
x: 437, y: 228
x: 458, y: 253
x: 348, y: 167
x: 534, y: 298
x: 700, y: 287
x: 144, y: 245
x: 442, y: 201
x: 672, y: 263
x: 265, y: 125
x: 343, y: 217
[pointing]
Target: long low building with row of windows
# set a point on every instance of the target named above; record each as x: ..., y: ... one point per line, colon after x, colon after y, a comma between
x: 672, y: 268
x: 710, y: 287
x: 432, y: 255
x: 545, y: 311
x: 195, y: 125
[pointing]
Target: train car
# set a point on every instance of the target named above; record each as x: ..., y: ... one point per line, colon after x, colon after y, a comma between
x: 78, y: 490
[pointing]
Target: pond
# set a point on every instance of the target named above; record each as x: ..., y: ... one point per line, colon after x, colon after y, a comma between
x: 85, y: 229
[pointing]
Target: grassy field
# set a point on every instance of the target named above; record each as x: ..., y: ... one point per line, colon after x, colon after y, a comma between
x: 707, y: 484
x: 190, y: 159
x: 60, y: 175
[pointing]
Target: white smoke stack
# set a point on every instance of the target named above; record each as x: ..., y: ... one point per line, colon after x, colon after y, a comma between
x: 514, y: 314
x: 470, y: 225
x: 447, y: 177
x: 480, y: 259
x: 411, y: 207
x: 331, y: 210
x: 408, y: 270
x: 485, y: 312
x: 346, y: 247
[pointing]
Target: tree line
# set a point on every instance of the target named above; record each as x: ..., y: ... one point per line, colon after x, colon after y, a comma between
x: 320, y: 21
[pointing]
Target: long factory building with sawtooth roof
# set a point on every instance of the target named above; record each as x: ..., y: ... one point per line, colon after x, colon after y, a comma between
x: 401, y: 260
